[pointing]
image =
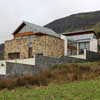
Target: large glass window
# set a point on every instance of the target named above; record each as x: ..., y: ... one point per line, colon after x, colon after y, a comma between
x: 84, y: 45
x: 72, y: 47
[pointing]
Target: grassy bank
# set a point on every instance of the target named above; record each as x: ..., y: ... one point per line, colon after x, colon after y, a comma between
x: 80, y: 81
x: 57, y: 74
x: 83, y: 90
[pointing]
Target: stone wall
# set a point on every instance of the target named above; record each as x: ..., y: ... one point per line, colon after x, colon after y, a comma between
x: 45, y: 44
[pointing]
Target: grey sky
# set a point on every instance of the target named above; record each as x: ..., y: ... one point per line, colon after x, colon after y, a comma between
x: 40, y: 12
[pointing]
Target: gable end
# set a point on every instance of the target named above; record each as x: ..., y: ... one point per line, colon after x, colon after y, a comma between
x: 19, y: 28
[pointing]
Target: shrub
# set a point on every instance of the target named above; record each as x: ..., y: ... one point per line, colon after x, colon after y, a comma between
x: 8, y: 83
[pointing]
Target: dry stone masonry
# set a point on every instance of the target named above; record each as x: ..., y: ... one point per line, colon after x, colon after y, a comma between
x: 45, y: 44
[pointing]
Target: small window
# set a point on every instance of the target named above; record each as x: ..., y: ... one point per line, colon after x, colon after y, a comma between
x: 40, y: 54
x: 30, y: 52
x: 14, y: 55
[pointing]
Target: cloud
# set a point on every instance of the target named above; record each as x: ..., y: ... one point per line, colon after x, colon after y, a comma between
x: 40, y: 12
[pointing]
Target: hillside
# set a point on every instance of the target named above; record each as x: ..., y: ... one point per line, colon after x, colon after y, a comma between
x: 76, y: 22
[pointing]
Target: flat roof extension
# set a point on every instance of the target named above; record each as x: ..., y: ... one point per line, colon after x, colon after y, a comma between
x: 79, y: 32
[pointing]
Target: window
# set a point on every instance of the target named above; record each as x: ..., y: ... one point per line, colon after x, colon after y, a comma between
x: 84, y: 45
x: 30, y: 52
x: 15, y: 55
x: 72, y: 47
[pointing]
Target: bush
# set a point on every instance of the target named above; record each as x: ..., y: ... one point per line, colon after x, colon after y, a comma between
x: 8, y: 83
x: 76, y: 72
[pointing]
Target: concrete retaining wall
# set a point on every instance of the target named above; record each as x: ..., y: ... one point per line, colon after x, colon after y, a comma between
x: 20, y: 69
x: 44, y: 61
x: 41, y: 62
x: 92, y: 56
x: 30, y: 61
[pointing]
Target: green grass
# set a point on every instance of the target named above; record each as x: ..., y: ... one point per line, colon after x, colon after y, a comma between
x: 83, y: 90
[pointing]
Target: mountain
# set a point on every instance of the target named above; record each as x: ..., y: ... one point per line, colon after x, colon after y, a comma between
x: 75, y: 22
x: 1, y: 51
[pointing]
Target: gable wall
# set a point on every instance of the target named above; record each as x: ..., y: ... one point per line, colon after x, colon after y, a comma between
x: 48, y: 45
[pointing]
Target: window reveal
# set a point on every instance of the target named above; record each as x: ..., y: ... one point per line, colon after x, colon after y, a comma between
x: 15, y: 55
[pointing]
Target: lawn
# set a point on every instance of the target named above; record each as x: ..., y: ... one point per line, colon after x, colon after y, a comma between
x: 83, y: 90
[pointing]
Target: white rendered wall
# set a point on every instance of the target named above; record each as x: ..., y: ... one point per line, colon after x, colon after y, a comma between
x: 2, y: 67
x: 94, y: 45
x: 79, y: 56
x: 30, y: 61
x: 65, y: 44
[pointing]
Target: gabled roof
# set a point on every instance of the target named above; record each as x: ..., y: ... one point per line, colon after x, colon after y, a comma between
x: 35, y: 29
x: 82, y: 32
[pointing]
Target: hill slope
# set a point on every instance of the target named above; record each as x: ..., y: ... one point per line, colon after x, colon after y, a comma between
x: 75, y: 22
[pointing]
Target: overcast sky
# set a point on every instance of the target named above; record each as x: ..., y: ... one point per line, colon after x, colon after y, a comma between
x: 40, y: 12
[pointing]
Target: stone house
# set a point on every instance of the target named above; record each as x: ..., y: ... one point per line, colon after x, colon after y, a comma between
x: 34, y: 48
x: 30, y: 39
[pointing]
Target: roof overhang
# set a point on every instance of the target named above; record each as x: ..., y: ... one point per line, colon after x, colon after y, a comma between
x: 39, y: 30
x: 18, y: 28
x: 79, y: 33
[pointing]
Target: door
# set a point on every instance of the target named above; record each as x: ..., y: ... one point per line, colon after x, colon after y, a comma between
x: 30, y: 52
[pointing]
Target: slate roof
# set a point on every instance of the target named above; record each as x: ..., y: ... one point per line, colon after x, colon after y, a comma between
x: 29, y: 27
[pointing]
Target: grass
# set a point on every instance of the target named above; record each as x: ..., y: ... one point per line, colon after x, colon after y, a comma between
x: 80, y: 81
x: 56, y: 74
x: 83, y: 90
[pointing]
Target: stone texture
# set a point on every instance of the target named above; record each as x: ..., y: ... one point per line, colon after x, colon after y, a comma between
x: 45, y: 44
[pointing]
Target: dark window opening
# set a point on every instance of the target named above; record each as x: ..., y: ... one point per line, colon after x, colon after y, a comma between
x: 14, y: 55
x: 39, y: 54
x: 30, y: 52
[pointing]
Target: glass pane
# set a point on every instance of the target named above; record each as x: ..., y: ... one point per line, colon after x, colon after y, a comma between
x: 84, y: 45
x: 87, y: 45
